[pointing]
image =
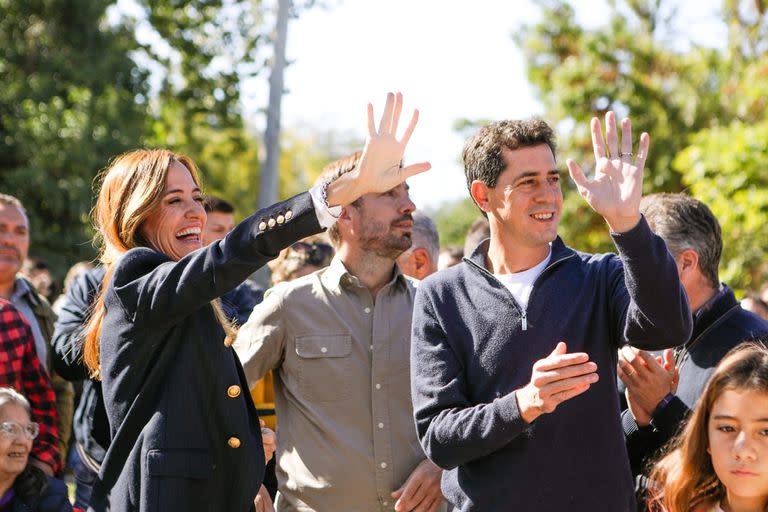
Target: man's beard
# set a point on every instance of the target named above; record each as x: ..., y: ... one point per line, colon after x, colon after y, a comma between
x: 381, y: 241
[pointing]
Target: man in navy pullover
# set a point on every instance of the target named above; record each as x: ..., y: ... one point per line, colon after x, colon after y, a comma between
x: 514, y: 351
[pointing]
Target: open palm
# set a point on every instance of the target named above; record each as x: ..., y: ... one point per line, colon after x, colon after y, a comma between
x: 616, y: 189
x: 380, y: 166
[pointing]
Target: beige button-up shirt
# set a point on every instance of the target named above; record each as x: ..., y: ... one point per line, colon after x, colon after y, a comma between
x: 346, y: 434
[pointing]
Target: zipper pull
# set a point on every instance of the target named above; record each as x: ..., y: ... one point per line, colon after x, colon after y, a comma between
x: 525, y: 320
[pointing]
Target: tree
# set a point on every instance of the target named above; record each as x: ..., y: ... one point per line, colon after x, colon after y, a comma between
x: 725, y: 167
x: 681, y: 93
x: 306, y: 150
x: 68, y: 104
x: 453, y: 220
x: 202, y: 52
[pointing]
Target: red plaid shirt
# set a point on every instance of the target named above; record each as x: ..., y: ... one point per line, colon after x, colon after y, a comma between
x: 20, y: 369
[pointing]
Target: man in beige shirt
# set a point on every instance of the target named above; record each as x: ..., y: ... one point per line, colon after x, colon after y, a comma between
x: 339, y: 342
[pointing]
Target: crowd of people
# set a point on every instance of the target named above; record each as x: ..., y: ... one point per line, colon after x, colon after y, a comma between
x: 379, y: 372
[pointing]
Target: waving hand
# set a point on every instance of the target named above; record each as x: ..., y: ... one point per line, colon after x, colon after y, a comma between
x: 380, y: 168
x: 617, y: 186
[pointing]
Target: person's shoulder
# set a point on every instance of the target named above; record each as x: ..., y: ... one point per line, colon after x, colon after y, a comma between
x: 39, y: 304
x: 137, y: 262
x: 54, y: 498
x: 448, y: 279
x: 87, y: 283
x: 596, y: 258
x: 12, y: 322
x: 8, y: 308
x: 751, y: 324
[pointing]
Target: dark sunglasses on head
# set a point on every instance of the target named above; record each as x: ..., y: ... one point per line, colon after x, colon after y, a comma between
x: 315, y: 253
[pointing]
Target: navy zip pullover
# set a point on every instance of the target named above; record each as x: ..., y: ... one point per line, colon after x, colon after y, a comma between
x: 470, y: 351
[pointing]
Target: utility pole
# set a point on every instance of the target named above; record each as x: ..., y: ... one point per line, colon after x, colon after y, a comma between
x: 268, y: 189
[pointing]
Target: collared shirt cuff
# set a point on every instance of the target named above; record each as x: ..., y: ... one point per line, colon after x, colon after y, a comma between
x: 325, y: 216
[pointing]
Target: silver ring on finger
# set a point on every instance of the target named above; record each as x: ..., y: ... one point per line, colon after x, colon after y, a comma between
x: 627, y: 154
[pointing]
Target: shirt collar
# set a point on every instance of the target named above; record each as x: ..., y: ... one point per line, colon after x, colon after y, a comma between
x: 20, y: 289
x: 337, y: 276
x: 557, y: 251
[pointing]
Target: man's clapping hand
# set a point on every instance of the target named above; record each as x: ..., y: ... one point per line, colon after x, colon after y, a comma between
x: 556, y: 378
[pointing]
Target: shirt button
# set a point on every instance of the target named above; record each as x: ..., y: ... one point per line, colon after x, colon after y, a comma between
x: 233, y: 391
x: 280, y: 219
x: 378, y: 386
x: 381, y: 425
x: 383, y: 465
x: 288, y: 215
x: 367, y: 310
x: 233, y: 442
x: 323, y: 350
x: 271, y: 222
x: 262, y: 226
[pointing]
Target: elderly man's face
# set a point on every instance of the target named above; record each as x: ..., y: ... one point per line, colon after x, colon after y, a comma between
x: 14, y: 240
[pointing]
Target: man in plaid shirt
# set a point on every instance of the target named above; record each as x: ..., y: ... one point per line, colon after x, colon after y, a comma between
x: 20, y: 369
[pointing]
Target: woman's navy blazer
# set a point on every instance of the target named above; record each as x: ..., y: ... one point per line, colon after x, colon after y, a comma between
x: 185, y: 433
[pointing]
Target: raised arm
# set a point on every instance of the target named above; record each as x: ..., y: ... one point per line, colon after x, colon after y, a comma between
x: 650, y: 304
x: 163, y: 290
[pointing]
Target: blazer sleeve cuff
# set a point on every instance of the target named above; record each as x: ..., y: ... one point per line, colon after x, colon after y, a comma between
x: 326, y: 215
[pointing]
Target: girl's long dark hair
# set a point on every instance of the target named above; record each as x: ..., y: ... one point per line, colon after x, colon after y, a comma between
x: 685, y: 479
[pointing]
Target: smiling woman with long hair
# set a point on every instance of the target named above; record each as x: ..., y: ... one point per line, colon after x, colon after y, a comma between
x: 185, y: 433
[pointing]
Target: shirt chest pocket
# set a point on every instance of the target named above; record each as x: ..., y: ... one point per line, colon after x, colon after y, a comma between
x: 324, y: 363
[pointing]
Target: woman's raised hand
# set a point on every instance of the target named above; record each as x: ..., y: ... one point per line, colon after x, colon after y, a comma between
x: 380, y: 168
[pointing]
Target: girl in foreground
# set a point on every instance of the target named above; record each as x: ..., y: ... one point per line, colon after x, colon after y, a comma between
x: 720, y: 461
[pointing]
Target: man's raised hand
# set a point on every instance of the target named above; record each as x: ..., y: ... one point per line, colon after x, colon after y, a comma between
x: 556, y: 378
x: 617, y: 186
x: 380, y: 168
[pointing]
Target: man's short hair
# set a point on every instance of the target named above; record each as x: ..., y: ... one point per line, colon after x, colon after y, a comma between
x: 477, y: 232
x: 483, y: 152
x: 217, y: 204
x: 336, y: 169
x: 8, y: 200
x: 686, y: 223
x: 425, y: 235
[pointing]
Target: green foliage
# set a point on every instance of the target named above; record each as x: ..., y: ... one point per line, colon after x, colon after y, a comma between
x: 726, y: 168
x: 704, y: 109
x: 206, y: 49
x: 306, y: 151
x: 77, y: 90
x: 66, y: 106
x: 453, y: 220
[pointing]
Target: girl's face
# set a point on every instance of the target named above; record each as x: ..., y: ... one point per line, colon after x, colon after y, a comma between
x: 738, y: 445
x: 15, y: 442
x: 175, y: 227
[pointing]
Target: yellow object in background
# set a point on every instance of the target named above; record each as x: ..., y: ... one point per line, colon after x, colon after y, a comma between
x: 263, y: 394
